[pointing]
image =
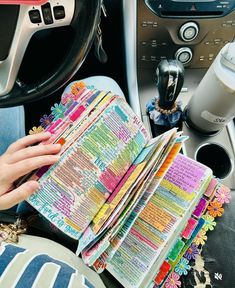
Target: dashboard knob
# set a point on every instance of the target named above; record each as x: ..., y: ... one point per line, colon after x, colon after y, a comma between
x: 189, y: 31
x: 184, y: 55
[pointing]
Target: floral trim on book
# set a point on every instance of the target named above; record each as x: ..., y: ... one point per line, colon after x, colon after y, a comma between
x: 70, y: 95
x: 46, y: 120
x: 173, y: 281
x: 192, y: 245
x: 192, y: 252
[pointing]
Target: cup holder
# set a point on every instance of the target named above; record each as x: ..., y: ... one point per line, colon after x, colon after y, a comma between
x: 215, y: 157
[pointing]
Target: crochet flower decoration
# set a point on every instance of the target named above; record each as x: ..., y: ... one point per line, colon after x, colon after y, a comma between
x: 215, y: 209
x: 173, y: 281
x: 36, y: 130
x: 58, y: 110
x: 223, y: 195
x: 182, y: 267
x: 46, y: 120
x: 209, y: 222
x: 200, y: 238
x: 91, y: 87
x: 66, y: 98
x: 76, y: 87
x: 192, y: 252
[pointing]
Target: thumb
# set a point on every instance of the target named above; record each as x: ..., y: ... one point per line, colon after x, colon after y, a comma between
x: 17, y: 195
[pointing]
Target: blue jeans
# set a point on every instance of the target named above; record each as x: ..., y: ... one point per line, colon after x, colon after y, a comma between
x: 12, y: 126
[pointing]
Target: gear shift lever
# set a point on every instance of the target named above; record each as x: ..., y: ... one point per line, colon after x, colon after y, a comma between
x: 163, y: 110
x: 170, y: 79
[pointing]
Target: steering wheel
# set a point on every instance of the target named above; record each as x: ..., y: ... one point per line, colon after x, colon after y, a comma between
x: 20, y: 22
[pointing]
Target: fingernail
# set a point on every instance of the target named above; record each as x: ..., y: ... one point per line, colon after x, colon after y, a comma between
x: 33, y: 185
x: 47, y: 133
x: 57, y: 146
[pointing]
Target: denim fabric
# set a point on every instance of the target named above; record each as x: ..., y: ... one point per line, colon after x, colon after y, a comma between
x: 12, y: 126
x: 104, y: 83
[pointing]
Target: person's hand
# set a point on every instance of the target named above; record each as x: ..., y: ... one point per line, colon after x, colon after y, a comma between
x: 20, y: 159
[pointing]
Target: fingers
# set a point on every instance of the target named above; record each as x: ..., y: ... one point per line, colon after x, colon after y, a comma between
x: 27, y: 141
x: 24, y: 167
x: 34, y: 151
x: 20, y: 159
x: 14, y: 197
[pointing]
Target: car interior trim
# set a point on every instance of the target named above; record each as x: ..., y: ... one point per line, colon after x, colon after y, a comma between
x: 129, y: 20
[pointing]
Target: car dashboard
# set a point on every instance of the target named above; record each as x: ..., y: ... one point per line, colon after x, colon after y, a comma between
x: 192, y: 32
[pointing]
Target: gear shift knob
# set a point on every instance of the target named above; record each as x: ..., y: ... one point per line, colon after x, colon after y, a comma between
x: 163, y: 112
x: 170, y: 79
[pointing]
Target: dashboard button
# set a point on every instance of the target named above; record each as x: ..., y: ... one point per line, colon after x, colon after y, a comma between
x: 47, y: 15
x: 35, y: 16
x: 59, y: 12
x: 189, y: 31
x: 184, y: 55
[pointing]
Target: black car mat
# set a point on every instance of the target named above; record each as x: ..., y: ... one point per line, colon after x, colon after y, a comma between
x: 218, y: 255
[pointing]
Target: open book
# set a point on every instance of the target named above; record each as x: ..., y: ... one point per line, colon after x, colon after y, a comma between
x: 125, y: 197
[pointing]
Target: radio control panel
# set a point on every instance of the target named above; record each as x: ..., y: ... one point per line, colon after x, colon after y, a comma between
x: 194, y: 41
x: 191, y: 8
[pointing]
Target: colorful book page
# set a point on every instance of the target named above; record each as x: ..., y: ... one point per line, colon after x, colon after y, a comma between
x: 74, y: 189
x: 131, y: 201
x: 119, y: 199
x: 151, y: 237
x: 137, y: 204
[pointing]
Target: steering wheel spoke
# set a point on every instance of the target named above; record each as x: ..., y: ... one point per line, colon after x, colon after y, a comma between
x: 55, y: 13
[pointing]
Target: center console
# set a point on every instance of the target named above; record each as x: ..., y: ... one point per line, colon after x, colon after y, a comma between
x: 192, y: 32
